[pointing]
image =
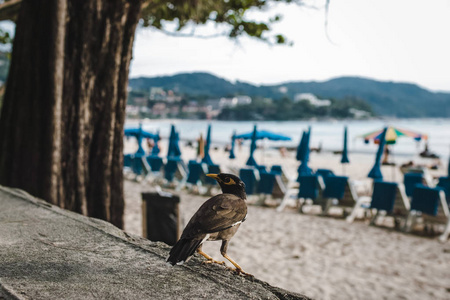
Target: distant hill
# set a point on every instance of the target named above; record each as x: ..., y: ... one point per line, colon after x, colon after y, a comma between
x: 386, y: 98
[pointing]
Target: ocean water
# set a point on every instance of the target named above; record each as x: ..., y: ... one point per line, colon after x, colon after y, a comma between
x: 328, y: 134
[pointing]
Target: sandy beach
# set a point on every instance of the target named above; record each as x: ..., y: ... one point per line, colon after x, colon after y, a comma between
x: 322, y: 257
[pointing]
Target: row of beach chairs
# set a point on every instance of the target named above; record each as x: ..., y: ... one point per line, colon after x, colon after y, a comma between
x: 409, y: 203
x: 415, y: 201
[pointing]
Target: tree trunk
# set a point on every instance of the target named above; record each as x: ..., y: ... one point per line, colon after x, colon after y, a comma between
x: 61, y: 126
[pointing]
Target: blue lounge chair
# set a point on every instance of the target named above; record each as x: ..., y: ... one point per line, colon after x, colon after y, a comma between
x: 388, y: 198
x: 127, y: 160
x: 339, y: 191
x: 196, y: 176
x: 309, y: 187
x: 266, y: 183
x: 325, y: 172
x: 429, y: 204
x: 444, y: 183
x: 277, y: 169
x: 174, y: 170
x: 155, y: 163
x: 250, y: 177
x: 410, y: 180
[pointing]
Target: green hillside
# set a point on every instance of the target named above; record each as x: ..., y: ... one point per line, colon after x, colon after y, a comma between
x: 386, y: 98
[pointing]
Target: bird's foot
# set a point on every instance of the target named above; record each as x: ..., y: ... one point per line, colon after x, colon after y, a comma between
x: 239, y: 272
x: 212, y: 261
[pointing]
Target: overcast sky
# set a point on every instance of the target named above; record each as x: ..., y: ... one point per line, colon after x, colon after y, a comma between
x: 400, y: 40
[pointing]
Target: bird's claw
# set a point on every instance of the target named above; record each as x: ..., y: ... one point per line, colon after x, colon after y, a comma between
x: 212, y: 261
x: 239, y: 272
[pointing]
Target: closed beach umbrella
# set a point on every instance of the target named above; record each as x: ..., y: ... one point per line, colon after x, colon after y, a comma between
x: 174, y: 148
x: 301, y: 147
x: 233, y: 141
x: 375, y: 173
x: 345, y: 159
x: 251, y: 160
x: 303, y: 169
x: 155, y: 149
x: 207, y: 158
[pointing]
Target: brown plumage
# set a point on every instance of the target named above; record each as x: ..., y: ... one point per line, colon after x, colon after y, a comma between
x: 217, y: 219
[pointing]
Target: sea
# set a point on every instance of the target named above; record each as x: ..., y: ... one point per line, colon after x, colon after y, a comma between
x: 325, y: 134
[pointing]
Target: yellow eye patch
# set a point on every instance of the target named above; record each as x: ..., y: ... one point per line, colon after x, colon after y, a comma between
x: 229, y: 181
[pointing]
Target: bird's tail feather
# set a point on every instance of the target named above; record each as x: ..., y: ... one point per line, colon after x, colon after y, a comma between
x: 183, y: 250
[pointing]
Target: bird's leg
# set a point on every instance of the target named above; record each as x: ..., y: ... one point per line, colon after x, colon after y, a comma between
x: 223, y: 251
x: 210, y: 260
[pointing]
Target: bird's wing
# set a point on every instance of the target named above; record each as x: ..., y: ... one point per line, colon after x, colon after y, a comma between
x: 216, y: 214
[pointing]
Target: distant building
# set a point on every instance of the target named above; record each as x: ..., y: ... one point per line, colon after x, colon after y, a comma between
x: 359, y: 114
x: 232, y: 102
x: 313, y: 100
x: 157, y: 94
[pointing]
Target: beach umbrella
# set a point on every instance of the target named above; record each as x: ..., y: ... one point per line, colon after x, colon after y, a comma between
x: 259, y: 135
x: 174, y: 148
x: 155, y: 149
x: 207, y: 158
x: 344, y: 159
x: 233, y: 141
x: 301, y: 147
x: 392, y: 133
x: 139, y: 134
x: 303, y: 169
x: 251, y: 160
x: 263, y: 134
x: 375, y: 173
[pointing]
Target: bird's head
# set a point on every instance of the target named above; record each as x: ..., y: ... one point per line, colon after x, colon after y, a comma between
x: 230, y: 184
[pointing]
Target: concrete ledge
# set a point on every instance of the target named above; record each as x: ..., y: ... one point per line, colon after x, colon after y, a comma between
x: 49, y: 253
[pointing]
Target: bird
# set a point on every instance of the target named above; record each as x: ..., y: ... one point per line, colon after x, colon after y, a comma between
x: 218, y: 218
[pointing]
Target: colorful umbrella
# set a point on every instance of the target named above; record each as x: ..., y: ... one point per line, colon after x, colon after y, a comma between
x: 392, y: 134
x: 375, y: 173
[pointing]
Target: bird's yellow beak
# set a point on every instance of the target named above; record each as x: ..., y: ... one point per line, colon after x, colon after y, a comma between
x: 215, y: 176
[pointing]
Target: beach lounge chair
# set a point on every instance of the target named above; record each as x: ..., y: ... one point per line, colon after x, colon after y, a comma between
x: 444, y: 183
x: 410, y: 180
x: 277, y: 169
x: 388, y: 199
x: 139, y: 166
x: 250, y: 177
x: 270, y: 186
x: 325, y: 172
x: 174, y: 170
x: 339, y: 192
x: 430, y: 205
x: 309, y: 186
x: 195, y: 177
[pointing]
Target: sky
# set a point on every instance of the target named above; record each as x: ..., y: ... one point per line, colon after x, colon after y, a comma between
x: 400, y: 40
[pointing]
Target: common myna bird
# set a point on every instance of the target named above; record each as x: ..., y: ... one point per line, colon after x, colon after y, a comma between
x: 217, y: 219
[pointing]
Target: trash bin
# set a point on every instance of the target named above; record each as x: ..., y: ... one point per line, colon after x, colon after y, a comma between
x: 161, y: 217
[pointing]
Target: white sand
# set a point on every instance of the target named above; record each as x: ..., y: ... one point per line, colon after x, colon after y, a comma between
x: 322, y: 257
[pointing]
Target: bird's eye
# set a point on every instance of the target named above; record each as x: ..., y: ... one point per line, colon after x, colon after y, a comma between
x: 228, y: 181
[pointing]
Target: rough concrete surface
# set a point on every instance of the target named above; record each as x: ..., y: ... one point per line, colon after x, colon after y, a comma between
x: 49, y: 253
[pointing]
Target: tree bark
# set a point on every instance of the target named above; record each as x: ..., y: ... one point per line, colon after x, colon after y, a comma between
x: 61, y: 126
